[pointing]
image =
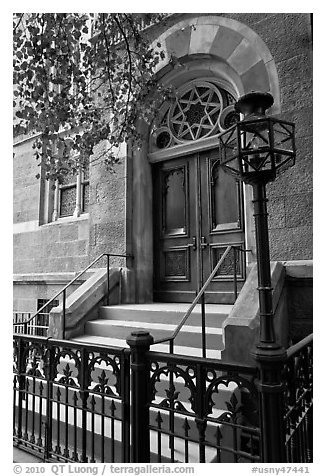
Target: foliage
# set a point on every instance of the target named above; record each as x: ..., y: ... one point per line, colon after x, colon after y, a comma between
x: 80, y: 79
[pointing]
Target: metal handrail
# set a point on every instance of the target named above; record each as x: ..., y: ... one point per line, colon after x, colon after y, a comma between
x: 199, y: 296
x: 195, y: 301
x: 63, y: 290
x: 294, y: 349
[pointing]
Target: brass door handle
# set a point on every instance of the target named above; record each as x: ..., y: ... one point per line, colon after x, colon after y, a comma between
x: 203, y: 243
x: 193, y: 245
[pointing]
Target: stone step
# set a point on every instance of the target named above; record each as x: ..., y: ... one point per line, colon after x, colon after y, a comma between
x: 178, y: 349
x: 189, y: 335
x: 169, y: 313
x: 115, y: 324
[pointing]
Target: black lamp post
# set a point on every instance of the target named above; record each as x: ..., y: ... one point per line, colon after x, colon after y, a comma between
x: 255, y: 150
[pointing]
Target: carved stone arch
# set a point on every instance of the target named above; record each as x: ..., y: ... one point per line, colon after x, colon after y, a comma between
x: 250, y: 63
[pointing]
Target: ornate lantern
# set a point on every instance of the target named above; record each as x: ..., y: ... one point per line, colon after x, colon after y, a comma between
x: 258, y: 147
x: 255, y: 150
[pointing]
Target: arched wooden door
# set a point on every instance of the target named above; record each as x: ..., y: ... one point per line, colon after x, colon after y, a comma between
x: 198, y: 212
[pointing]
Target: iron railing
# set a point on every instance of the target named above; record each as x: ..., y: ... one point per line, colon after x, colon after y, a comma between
x: 298, y: 401
x: 200, y: 414
x: 200, y: 297
x: 71, y: 401
x: 24, y: 324
x: 31, y: 324
x: 91, y: 403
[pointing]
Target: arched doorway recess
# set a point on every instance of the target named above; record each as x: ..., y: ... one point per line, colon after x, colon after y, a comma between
x: 197, y: 207
x: 231, y: 58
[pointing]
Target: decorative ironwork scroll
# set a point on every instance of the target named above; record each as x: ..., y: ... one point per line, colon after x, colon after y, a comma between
x: 298, y: 405
x: 202, y: 411
x: 70, y: 401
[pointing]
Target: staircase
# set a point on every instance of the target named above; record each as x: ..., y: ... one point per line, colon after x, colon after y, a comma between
x: 115, y: 323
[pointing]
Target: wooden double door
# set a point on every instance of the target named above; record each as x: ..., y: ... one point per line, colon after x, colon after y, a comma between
x: 198, y: 212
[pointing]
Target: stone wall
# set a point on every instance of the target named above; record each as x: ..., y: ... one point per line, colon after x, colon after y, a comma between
x: 58, y: 247
x: 26, y: 189
x: 107, y: 208
x: 68, y: 244
x: 288, y: 37
x: 29, y: 288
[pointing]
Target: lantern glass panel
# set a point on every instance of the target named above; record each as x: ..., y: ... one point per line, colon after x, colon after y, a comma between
x: 229, y: 153
x: 255, y: 147
x: 283, y: 145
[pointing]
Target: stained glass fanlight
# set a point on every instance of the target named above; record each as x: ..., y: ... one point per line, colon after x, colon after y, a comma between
x: 201, y: 109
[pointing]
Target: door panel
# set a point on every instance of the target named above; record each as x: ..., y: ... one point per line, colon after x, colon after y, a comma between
x: 174, y: 231
x: 198, y: 212
x: 222, y: 225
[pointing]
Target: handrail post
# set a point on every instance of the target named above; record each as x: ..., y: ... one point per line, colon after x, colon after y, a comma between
x: 203, y: 326
x: 64, y: 313
x: 171, y: 416
x: 235, y: 284
x: 139, y: 342
x: 108, y: 278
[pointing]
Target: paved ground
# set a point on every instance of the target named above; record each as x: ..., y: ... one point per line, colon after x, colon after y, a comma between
x: 20, y: 456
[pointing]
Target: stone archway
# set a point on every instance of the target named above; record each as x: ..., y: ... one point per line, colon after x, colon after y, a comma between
x: 222, y: 48
x: 234, y: 43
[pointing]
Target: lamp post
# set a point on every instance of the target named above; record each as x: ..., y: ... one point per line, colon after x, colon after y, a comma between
x: 255, y: 150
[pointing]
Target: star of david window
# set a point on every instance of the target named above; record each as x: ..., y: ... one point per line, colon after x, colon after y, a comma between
x: 201, y: 109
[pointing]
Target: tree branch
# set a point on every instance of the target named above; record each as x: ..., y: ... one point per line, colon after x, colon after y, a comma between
x: 130, y: 67
x: 108, y: 58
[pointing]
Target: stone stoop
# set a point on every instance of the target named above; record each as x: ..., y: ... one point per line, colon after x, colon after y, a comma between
x: 115, y: 323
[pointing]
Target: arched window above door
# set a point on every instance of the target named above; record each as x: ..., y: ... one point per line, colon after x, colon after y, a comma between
x: 201, y: 109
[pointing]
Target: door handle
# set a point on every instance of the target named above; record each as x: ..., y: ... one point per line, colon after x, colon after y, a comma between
x: 203, y: 243
x: 194, y: 243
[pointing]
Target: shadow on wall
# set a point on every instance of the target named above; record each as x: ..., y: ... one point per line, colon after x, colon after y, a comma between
x: 299, y: 285
x: 292, y: 283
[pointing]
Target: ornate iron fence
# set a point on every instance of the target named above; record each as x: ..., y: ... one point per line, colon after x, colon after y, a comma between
x: 71, y: 401
x: 202, y: 411
x: 92, y: 403
x: 298, y: 402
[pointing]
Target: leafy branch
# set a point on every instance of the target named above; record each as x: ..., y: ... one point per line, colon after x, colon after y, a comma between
x: 81, y: 79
